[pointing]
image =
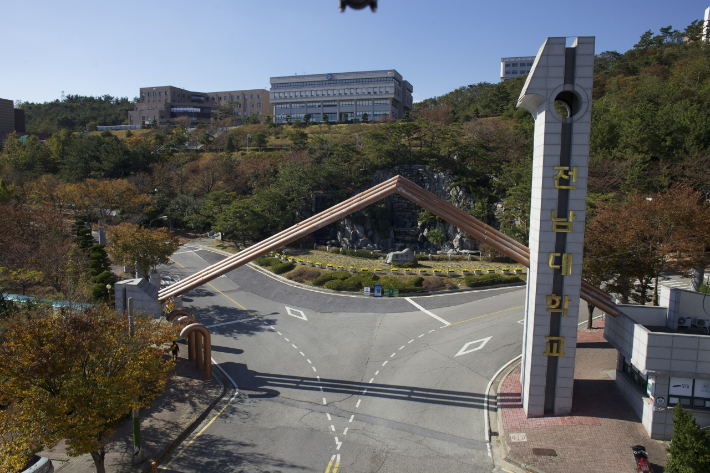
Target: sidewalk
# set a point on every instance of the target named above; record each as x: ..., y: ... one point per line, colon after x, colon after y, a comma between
x: 598, y: 434
x: 187, y: 399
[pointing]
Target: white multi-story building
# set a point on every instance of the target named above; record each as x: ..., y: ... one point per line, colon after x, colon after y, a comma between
x: 512, y: 67
x: 341, y: 96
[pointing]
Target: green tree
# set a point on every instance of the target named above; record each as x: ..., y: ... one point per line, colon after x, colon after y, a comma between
x: 230, y: 146
x: 689, y: 451
x: 145, y: 248
x: 258, y: 139
x: 436, y: 236
x: 299, y: 139
x: 91, y: 126
x: 239, y: 220
x: 365, y: 118
x: 205, y: 139
x: 6, y: 192
x: 325, y: 118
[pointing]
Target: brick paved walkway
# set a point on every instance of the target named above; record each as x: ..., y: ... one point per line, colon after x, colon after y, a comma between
x: 596, y: 438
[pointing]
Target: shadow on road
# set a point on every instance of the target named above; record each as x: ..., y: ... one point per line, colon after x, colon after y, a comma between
x: 266, y: 385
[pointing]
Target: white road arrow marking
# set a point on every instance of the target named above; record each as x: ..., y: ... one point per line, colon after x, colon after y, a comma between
x: 464, y: 350
x: 296, y: 313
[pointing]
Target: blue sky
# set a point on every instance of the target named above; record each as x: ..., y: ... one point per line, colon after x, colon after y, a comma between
x: 114, y: 47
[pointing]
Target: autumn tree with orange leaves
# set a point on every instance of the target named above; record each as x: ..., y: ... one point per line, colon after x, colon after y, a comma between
x: 630, y: 243
x: 73, y: 377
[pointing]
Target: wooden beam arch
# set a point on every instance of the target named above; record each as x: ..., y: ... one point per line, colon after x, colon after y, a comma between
x: 425, y: 199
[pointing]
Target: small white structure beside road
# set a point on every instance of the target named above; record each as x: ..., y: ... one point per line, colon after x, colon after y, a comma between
x: 664, y: 358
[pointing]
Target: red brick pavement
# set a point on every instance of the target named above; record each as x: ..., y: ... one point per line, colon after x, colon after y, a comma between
x: 596, y: 438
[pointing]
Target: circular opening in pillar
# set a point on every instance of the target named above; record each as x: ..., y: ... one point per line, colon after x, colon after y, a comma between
x: 567, y: 104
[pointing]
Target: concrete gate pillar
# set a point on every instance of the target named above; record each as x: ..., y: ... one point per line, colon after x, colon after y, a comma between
x: 559, y: 188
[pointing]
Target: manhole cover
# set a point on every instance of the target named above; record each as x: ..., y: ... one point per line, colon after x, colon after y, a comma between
x: 545, y: 452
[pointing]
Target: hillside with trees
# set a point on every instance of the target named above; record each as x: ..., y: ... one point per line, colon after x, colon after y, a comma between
x: 75, y: 112
x: 650, y: 132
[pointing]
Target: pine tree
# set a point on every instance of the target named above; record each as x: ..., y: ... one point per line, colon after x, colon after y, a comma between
x: 689, y: 451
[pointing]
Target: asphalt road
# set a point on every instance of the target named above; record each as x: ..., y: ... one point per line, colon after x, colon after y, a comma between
x: 364, y: 384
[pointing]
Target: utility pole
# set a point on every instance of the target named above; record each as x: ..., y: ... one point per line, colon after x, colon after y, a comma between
x: 137, y: 452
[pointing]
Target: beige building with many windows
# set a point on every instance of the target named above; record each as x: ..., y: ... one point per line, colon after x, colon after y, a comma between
x: 341, y: 96
x: 162, y: 104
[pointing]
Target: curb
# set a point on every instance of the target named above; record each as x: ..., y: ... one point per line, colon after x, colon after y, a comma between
x: 503, y: 446
x: 167, y: 450
x: 350, y: 294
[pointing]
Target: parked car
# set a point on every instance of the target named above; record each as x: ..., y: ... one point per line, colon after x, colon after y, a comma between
x: 39, y: 465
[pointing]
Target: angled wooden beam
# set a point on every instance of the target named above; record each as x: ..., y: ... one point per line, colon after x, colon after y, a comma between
x: 425, y: 199
x: 280, y: 239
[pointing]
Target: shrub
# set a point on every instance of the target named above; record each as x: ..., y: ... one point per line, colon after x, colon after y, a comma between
x: 343, y: 285
x: 364, y: 279
x: 489, y: 280
x: 432, y: 283
x: 304, y: 274
x: 265, y: 262
x: 282, y: 267
x: 407, y: 285
x: 413, y: 264
x: 325, y: 277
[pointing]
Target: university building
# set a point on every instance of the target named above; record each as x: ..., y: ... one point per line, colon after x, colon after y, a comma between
x: 341, y: 96
x: 512, y: 67
x: 162, y: 104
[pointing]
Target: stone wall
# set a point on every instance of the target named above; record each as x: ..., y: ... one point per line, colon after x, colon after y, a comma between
x: 405, y: 231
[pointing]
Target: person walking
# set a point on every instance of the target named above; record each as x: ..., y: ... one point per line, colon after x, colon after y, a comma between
x: 175, y: 348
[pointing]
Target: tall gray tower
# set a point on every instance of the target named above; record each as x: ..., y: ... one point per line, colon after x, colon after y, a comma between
x: 558, y: 93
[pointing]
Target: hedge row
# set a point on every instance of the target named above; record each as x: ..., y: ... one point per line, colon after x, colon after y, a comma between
x: 489, y: 280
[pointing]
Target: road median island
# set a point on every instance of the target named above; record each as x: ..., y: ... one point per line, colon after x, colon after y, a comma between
x: 354, y: 278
